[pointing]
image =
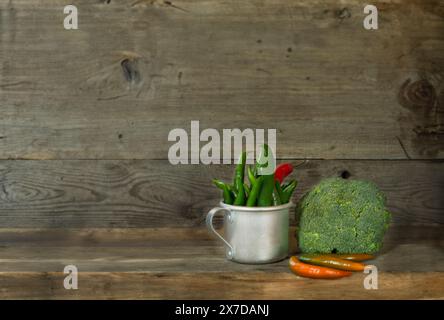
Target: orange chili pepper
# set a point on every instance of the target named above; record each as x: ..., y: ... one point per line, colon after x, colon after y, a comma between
x: 355, y: 256
x: 332, y: 262
x: 316, y: 272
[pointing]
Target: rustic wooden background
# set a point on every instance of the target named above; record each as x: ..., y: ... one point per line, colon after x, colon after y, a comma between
x: 85, y: 116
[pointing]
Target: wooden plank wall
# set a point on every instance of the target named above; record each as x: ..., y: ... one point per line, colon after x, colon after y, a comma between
x: 85, y: 114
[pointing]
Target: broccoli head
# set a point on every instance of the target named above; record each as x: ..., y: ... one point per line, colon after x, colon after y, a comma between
x: 342, y: 216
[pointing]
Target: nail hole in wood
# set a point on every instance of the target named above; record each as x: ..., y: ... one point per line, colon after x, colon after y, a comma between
x: 345, y: 174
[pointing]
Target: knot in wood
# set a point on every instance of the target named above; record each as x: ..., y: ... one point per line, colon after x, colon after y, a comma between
x: 343, y: 13
x: 130, y: 70
x: 417, y: 95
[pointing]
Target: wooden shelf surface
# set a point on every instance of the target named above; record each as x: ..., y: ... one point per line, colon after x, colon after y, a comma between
x: 187, y: 263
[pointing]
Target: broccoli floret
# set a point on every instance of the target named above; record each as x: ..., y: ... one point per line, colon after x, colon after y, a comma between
x: 342, y: 216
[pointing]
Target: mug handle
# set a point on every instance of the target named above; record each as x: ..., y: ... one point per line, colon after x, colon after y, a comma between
x: 209, y: 221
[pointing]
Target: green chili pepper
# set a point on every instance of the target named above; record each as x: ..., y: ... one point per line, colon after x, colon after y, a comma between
x: 254, y: 170
x: 240, y: 169
x: 266, y: 159
x: 251, y: 175
x: 254, y: 193
x: 228, y: 198
x: 279, y: 190
x: 288, y: 191
x: 247, y: 190
x: 240, y: 197
x: 239, y: 180
x: 231, y: 190
x: 266, y: 194
x: 291, y: 185
x: 276, y: 198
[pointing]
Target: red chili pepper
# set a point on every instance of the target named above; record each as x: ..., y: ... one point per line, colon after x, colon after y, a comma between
x: 282, y: 171
x: 316, y: 272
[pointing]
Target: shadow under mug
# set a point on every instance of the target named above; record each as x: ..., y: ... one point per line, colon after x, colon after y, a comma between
x: 253, y: 235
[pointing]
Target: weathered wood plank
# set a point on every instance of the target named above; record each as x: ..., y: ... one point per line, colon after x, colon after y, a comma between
x: 150, y: 193
x: 185, y: 249
x: 225, y: 285
x: 136, y: 69
x: 138, y: 237
x: 186, y: 263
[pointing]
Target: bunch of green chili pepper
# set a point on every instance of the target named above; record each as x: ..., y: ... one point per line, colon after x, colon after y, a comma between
x: 264, y: 189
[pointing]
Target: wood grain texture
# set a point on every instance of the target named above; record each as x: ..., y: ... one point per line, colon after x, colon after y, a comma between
x: 137, y: 69
x: 236, y: 286
x: 406, y: 249
x: 187, y: 263
x: 151, y: 193
x: 94, y: 106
